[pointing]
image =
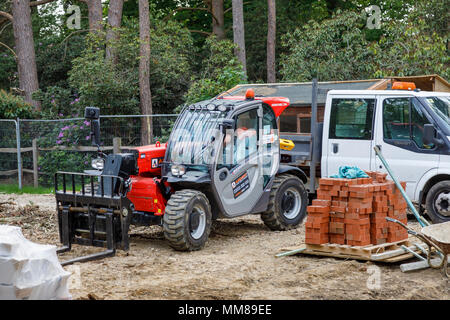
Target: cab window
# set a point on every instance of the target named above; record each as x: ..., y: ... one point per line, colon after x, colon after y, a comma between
x: 351, y: 119
x: 240, y: 143
x: 270, y: 135
x: 404, y: 119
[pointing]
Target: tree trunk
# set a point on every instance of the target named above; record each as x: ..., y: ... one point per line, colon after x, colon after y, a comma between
x: 144, y: 72
x: 114, y: 21
x: 239, y: 32
x: 95, y: 12
x: 271, y: 36
x: 26, y: 56
x: 218, y: 20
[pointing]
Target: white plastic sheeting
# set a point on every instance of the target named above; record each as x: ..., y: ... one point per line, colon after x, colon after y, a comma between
x: 29, y: 270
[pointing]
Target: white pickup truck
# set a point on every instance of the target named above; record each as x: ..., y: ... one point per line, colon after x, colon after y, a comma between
x: 411, y: 127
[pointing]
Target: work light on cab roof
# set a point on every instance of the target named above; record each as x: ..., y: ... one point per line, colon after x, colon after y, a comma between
x: 278, y: 104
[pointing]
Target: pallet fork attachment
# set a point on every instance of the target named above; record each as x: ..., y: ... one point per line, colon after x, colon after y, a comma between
x: 98, y: 218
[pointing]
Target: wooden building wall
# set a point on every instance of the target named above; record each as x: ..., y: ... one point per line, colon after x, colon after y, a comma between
x: 297, y: 119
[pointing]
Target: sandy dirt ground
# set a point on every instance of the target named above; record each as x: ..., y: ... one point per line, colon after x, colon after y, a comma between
x: 237, y: 263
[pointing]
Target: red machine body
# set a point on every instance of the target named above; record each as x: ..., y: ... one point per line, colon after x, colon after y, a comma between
x: 145, y: 193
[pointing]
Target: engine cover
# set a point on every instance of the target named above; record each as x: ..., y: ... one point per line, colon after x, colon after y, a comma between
x: 150, y: 158
x: 146, y: 195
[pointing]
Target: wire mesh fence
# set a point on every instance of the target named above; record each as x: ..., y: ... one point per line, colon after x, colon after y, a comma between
x: 47, y: 146
x: 8, y: 151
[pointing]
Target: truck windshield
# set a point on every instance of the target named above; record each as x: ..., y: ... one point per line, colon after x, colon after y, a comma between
x: 193, y: 138
x: 440, y: 106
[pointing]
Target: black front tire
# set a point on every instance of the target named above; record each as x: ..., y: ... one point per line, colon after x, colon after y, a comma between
x: 436, y: 202
x: 187, y: 220
x: 275, y: 216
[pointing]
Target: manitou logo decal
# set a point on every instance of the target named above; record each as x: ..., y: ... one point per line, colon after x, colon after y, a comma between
x: 156, y: 162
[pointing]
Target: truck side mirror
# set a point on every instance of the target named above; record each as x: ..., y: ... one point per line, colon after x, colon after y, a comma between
x: 93, y: 114
x: 429, y: 135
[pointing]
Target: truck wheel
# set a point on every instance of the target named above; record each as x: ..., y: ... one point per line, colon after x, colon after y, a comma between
x: 287, y: 204
x: 438, y: 202
x: 187, y: 220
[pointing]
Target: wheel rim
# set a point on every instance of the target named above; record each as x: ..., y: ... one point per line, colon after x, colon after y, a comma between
x: 442, y: 203
x: 197, y: 222
x: 291, y: 203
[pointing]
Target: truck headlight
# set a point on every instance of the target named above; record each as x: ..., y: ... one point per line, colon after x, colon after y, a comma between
x: 98, y: 163
x: 178, y: 170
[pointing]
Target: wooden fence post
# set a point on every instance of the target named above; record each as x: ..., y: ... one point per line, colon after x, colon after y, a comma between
x: 35, y: 163
x: 117, y: 144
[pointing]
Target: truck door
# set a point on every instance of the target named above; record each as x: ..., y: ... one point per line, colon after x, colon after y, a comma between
x: 239, y: 178
x: 399, y: 132
x: 348, y: 133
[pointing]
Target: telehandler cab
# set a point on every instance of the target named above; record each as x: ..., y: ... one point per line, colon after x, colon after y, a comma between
x: 222, y: 160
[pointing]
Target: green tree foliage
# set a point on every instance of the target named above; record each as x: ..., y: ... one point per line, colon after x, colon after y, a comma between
x: 341, y: 49
x: 8, y: 70
x: 408, y: 49
x: 221, y: 71
x: 335, y: 49
x: 115, y: 87
x: 290, y: 15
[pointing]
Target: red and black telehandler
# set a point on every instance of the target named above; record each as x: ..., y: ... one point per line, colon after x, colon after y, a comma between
x: 222, y: 160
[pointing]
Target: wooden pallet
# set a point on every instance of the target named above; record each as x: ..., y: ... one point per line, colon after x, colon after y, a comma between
x: 387, y: 252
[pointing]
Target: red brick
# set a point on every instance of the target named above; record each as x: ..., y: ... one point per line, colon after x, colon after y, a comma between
x: 357, y: 216
x: 326, y: 181
x: 359, y: 188
x: 317, y: 209
x: 322, y: 203
x: 316, y: 220
x: 338, y: 198
x: 380, y: 207
x: 358, y: 210
x: 323, y: 195
x: 361, y: 243
x: 377, y: 220
x: 336, y: 215
x: 316, y: 238
x: 371, y: 174
x: 343, y: 194
x: 359, y: 205
x: 378, y: 241
x: 337, y: 238
x: 361, y: 195
x: 339, y: 209
x: 355, y: 236
x: 337, y: 228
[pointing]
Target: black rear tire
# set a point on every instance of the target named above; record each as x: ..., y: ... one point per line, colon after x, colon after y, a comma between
x: 187, y: 220
x: 287, y: 204
x: 438, y: 202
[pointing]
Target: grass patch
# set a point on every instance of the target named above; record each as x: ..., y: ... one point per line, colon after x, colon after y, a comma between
x: 14, y: 188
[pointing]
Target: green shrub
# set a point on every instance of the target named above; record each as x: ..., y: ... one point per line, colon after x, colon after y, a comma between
x: 62, y: 134
x: 58, y: 102
x: 12, y: 106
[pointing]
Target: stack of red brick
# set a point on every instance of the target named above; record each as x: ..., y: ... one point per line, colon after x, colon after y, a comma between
x: 354, y: 211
